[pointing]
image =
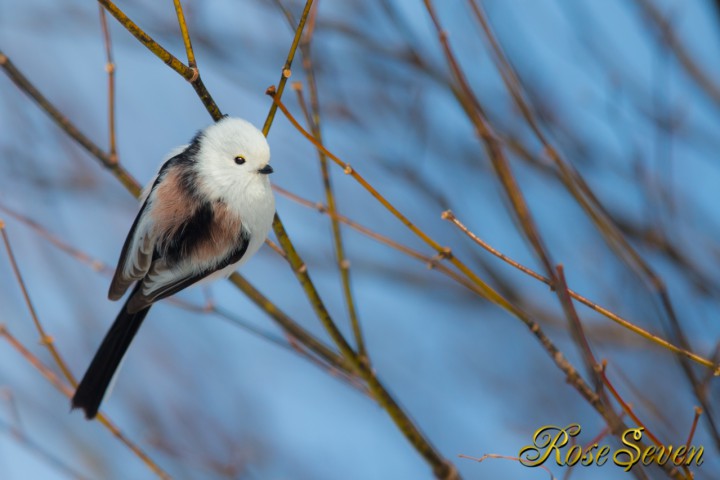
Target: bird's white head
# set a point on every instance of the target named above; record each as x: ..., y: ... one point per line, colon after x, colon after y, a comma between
x: 232, y: 156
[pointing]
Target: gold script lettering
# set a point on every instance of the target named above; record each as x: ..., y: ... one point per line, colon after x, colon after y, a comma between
x: 546, y: 440
x: 624, y: 457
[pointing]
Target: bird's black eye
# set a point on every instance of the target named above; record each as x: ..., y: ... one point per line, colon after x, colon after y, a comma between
x: 239, y: 159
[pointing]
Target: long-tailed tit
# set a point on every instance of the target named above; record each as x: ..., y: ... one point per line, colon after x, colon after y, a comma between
x: 207, y: 211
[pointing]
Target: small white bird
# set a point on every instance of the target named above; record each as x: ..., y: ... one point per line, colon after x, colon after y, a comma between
x: 208, y: 210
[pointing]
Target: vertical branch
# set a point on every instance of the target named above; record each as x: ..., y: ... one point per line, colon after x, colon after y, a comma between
x: 110, y: 69
x: 578, y: 332
x: 297, y: 264
x: 300, y: 270
x: 286, y: 71
x: 194, y: 79
x: 313, y: 121
x: 185, y: 35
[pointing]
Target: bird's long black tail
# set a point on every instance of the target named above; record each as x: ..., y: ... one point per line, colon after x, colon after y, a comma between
x: 96, y: 380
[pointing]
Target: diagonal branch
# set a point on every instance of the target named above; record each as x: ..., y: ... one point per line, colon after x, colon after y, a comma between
x: 313, y: 120
x: 45, y: 339
x: 64, y: 123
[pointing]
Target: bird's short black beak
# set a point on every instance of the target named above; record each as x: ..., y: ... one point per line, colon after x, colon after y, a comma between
x: 266, y: 170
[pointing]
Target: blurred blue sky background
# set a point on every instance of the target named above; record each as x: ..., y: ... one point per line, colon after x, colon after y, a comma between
x: 197, y: 391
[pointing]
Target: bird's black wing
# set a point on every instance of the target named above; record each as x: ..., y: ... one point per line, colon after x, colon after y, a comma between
x: 138, y: 250
x: 165, y: 279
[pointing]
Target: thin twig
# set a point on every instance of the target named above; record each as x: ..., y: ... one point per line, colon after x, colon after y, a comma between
x: 45, y: 339
x: 691, y: 435
x: 56, y: 381
x: 577, y: 330
x: 275, y: 247
x: 670, y: 469
x: 715, y: 368
x: 297, y: 264
x: 110, y: 69
x: 287, y: 68
x: 94, y: 263
x: 430, y: 262
x: 185, y: 35
x: 627, y: 408
x: 7, y: 394
x: 569, y: 177
x: 313, y: 121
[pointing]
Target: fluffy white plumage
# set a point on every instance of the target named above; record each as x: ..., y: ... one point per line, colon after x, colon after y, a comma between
x: 208, y: 165
x: 246, y: 191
